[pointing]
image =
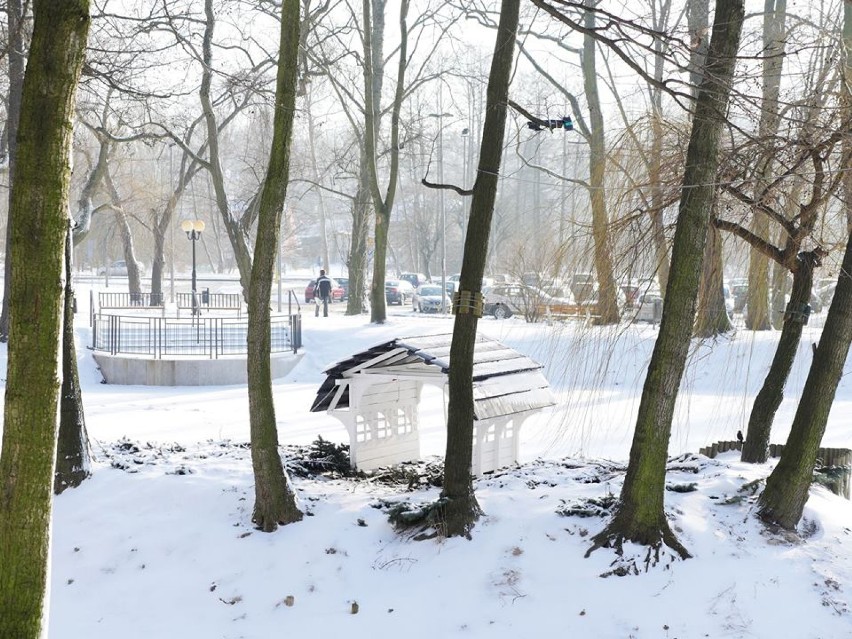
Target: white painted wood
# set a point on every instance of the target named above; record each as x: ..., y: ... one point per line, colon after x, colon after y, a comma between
x: 373, y: 362
x: 384, y: 393
x: 342, y: 385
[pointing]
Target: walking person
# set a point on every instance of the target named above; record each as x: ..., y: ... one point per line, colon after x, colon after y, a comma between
x: 322, y: 293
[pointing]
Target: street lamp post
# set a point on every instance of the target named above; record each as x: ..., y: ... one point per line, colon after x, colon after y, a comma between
x: 465, y: 134
x: 193, y: 229
x: 440, y: 117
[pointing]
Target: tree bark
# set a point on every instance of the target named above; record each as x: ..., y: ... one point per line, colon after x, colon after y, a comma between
x: 358, y: 260
x: 783, y: 500
x: 374, y: 27
x: 713, y: 316
x: 640, y: 516
x: 655, y: 158
x: 274, y: 500
x: 39, y: 211
x: 756, y: 445
x: 233, y: 227
x: 460, y: 509
x: 72, y: 449
x: 774, y: 35
x: 312, y: 144
x: 17, y: 62
x: 607, y: 299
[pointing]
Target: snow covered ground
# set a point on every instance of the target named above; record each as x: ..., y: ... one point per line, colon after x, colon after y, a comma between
x: 159, y: 542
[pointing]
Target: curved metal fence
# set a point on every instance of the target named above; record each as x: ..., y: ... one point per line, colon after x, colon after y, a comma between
x: 210, y: 337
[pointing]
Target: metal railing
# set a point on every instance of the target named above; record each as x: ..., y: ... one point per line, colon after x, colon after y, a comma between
x: 210, y: 337
x: 207, y: 301
x: 130, y: 300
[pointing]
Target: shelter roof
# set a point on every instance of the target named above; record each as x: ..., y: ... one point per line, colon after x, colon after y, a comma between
x: 504, y: 381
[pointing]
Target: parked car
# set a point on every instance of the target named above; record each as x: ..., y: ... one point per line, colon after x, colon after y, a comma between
x: 427, y: 299
x: 398, y: 291
x: 504, y: 300
x: 344, y: 284
x: 119, y: 269
x: 415, y: 279
x: 648, y: 308
x: 337, y: 291
x: 584, y: 287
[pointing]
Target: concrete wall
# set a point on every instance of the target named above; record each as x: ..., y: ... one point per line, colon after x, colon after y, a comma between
x: 225, y: 371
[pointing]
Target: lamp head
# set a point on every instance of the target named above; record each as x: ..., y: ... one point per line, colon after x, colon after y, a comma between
x: 192, y: 228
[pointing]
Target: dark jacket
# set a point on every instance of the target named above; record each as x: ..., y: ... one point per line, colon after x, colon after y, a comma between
x: 323, y: 287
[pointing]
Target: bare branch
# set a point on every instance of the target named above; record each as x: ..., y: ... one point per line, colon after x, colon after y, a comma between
x: 448, y: 187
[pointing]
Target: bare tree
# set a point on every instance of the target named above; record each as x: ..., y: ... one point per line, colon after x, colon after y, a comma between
x: 379, y: 155
x: 797, y: 229
x: 459, y: 508
x: 274, y: 500
x: 640, y: 516
x: 783, y: 500
x: 774, y: 34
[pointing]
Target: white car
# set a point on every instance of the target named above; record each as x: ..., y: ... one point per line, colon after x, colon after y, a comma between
x: 118, y: 269
x: 648, y: 308
x: 428, y: 299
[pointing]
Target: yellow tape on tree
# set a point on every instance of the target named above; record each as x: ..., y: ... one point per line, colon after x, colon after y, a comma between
x: 468, y: 302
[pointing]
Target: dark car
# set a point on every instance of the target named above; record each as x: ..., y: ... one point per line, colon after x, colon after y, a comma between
x: 415, y: 279
x: 398, y: 291
x: 337, y: 291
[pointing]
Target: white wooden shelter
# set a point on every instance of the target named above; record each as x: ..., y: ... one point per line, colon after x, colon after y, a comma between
x: 376, y: 394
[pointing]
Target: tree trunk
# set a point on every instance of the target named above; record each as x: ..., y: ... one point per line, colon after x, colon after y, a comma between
x: 756, y: 446
x: 757, y: 298
x: 786, y: 493
x: 235, y: 231
x: 374, y: 74
x: 783, y: 500
x: 655, y: 158
x: 358, y: 259
x: 17, y: 62
x: 712, y: 319
x: 274, y: 500
x: 847, y: 102
x: 640, y: 516
x: 160, y: 226
x: 658, y: 229
x: 39, y: 212
x: 312, y: 143
x: 778, y: 296
x: 460, y: 509
x: 72, y: 453
x: 378, y: 301
x: 774, y: 35
x: 698, y: 23
x: 607, y: 299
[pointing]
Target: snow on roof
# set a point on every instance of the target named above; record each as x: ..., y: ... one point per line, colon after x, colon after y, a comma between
x: 505, y: 381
